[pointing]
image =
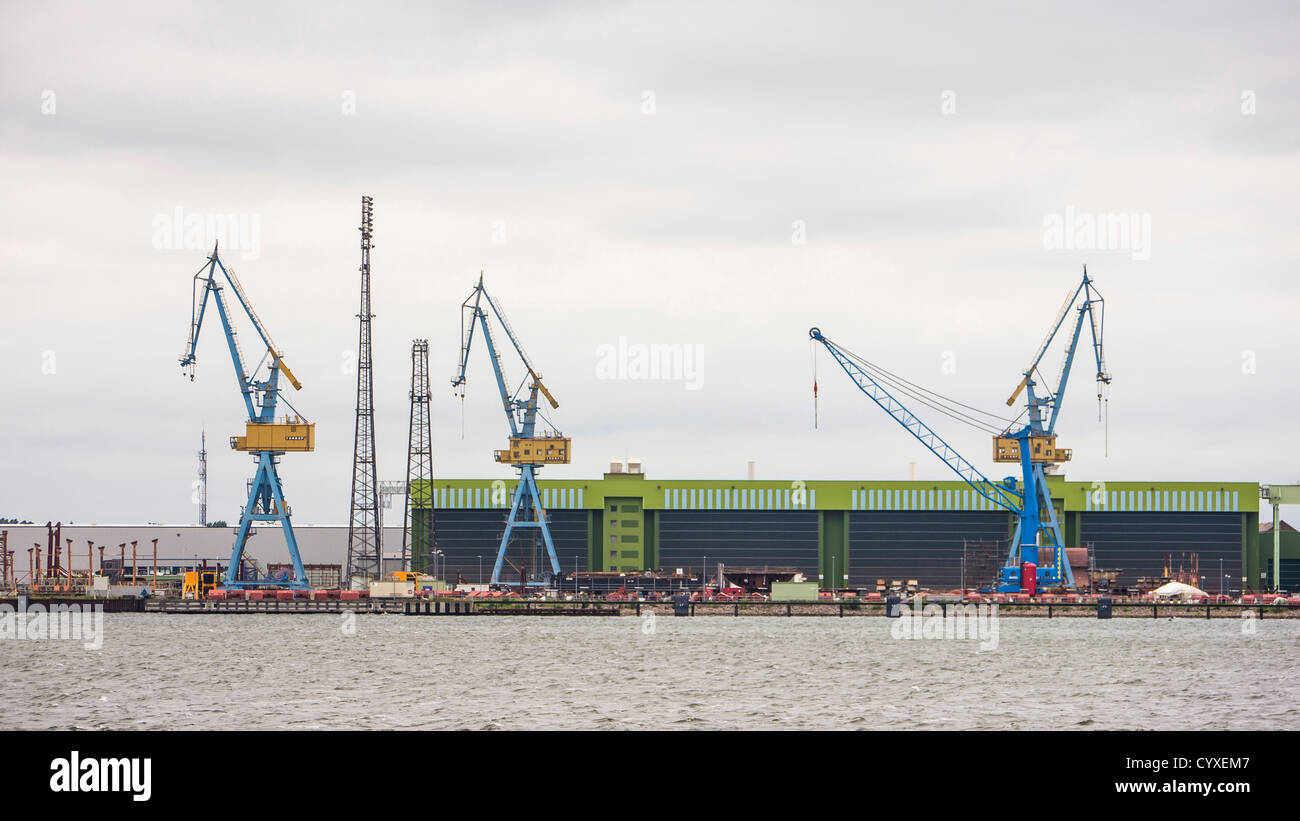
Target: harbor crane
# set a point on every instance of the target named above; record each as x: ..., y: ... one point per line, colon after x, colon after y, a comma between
x: 1031, y: 444
x: 265, y: 438
x: 528, y: 451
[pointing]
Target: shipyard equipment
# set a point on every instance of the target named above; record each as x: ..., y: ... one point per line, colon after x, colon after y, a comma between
x: 1278, y: 495
x: 1031, y: 443
x: 265, y: 437
x: 528, y: 450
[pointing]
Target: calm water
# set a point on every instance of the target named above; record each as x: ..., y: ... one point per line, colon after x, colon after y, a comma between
x: 302, y: 672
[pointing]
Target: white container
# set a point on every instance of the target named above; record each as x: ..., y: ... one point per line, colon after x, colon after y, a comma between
x: 392, y: 590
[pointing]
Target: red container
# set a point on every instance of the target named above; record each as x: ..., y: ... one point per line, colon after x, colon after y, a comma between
x: 1028, y: 578
x: 284, y: 595
x: 255, y: 595
x: 217, y: 594
x: 350, y: 595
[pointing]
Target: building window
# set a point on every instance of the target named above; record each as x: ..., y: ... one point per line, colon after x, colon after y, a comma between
x: 632, y: 538
x: 613, y: 539
x: 613, y: 554
x: 631, y: 523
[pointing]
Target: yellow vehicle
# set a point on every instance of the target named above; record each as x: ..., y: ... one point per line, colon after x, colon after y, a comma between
x: 196, y: 584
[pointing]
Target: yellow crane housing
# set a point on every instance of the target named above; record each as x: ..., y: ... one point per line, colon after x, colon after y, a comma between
x: 1043, y: 450
x: 548, y: 450
x: 291, y: 435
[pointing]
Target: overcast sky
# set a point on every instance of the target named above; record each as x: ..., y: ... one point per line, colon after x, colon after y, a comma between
x: 715, y: 176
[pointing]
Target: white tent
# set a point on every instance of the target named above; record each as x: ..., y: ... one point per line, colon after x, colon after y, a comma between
x: 1177, y: 590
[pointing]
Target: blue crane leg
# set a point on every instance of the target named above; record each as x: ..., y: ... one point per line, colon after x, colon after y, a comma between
x: 511, y: 520
x: 542, y: 519
x: 1029, y: 520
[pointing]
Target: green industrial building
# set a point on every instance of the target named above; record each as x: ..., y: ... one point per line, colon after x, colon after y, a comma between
x: 852, y: 533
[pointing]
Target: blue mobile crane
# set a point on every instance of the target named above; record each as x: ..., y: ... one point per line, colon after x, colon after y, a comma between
x: 528, y: 451
x: 265, y: 438
x: 1032, y: 445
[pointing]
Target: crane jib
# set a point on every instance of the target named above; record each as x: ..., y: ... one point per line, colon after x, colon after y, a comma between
x: 996, y: 492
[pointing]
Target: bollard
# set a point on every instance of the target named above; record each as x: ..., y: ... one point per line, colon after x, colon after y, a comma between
x: 893, y: 607
x: 681, y: 606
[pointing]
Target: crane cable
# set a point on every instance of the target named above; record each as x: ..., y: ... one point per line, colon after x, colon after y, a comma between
x: 900, y: 385
x: 938, y: 396
x: 812, y: 350
x: 915, y: 391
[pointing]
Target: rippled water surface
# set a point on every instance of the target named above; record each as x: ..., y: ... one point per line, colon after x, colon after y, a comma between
x: 302, y: 672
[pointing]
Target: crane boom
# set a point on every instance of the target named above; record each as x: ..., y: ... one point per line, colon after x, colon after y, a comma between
x: 996, y: 492
x: 210, y: 285
x: 1093, y: 306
